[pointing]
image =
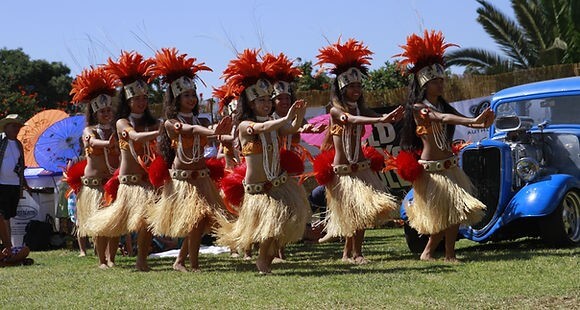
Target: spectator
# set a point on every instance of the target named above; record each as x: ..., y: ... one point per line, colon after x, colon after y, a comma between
x: 12, y: 180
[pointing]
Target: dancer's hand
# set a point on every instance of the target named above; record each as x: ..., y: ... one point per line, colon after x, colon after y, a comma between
x: 395, y: 115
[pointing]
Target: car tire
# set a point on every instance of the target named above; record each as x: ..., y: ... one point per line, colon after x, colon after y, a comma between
x: 562, y: 227
x: 415, y: 242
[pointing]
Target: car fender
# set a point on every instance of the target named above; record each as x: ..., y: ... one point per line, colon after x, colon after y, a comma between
x: 533, y: 200
x: 539, y: 198
x: 406, y: 200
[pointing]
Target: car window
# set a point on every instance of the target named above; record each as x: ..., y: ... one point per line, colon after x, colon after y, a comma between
x: 554, y: 110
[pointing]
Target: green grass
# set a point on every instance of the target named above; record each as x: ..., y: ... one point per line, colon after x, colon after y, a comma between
x: 519, y: 274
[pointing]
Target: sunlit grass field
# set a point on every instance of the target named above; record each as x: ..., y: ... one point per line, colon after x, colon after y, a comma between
x: 522, y: 274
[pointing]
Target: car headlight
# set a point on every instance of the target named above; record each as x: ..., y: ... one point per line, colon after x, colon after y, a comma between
x: 527, y: 168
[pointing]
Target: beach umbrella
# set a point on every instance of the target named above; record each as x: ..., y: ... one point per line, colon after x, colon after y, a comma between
x: 33, y: 128
x: 59, y: 143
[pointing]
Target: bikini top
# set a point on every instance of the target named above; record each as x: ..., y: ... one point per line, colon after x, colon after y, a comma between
x: 424, y: 126
x: 89, y: 150
x: 337, y: 130
x: 187, y: 142
x: 138, y: 146
x: 254, y: 146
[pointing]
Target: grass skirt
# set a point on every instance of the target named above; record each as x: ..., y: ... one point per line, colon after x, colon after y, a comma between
x: 126, y: 214
x: 183, y: 204
x: 358, y: 200
x: 281, y: 213
x: 443, y: 199
x: 89, y: 200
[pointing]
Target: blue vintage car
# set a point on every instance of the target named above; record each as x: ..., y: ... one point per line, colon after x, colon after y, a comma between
x: 527, y: 172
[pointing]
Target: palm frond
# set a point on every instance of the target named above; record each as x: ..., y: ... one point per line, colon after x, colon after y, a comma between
x: 483, y: 61
x: 506, y: 33
x: 533, y: 22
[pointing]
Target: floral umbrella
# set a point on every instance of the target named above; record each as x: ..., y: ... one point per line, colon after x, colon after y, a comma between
x: 60, y: 143
x: 33, y: 128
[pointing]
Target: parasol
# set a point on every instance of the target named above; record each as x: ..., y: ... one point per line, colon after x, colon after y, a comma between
x: 59, y: 143
x: 316, y: 139
x: 33, y: 128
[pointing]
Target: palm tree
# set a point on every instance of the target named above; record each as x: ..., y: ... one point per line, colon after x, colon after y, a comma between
x: 545, y: 32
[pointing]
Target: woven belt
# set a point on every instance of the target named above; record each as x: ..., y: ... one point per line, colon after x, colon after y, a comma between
x: 178, y: 174
x: 130, y: 178
x: 257, y: 188
x: 91, y: 181
x: 348, y: 168
x: 438, y: 165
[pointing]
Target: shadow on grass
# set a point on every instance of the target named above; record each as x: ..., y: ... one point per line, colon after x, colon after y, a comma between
x: 521, y: 249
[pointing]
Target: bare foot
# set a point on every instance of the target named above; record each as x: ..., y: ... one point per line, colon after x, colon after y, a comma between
x: 111, y: 264
x: 234, y: 255
x: 179, y: 267
x: 103, y: 266
x: 247, y: 257
x: 195, y: 270
x: 348, y: 260
x: 82, y: 254
x: 277, y: 260
x: 360, y: 260
x: 427, y: 258
x: 452, y: 260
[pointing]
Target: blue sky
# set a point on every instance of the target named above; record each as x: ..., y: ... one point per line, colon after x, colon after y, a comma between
x: 83, y: 33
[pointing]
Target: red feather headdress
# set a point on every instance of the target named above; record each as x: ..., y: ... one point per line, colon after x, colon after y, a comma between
x: 96, y: 86
x: 349, y: 60
x: 225, y: 97
x: 131, y: 69
x: 247, y: 74
x: 424, y: 56
x: 176, y: 70
x: 282, y: 72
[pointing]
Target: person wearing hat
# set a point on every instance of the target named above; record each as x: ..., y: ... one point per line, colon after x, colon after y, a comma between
x: 190, y: 198
x: 12, y: 180
x: 443, y: 193
x: 273, y: 210
x: 357, y: 198
x: 131, y: 191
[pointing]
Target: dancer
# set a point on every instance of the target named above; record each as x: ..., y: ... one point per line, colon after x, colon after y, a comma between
x: 190, y: 199
x: 273, y: 211
x: 137, y: 130
x: 357, y: 198
x: 96, y: 89
x: 442, y: 191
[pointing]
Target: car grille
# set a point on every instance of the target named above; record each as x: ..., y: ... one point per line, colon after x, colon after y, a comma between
x: 482, y: 165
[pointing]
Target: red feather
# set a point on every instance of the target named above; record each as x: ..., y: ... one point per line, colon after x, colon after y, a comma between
x: 130, y: 67
x: 111, y: 188
x: 158, y: 172
x: 291, y: 162
x: 322, y: 167
x: 407, y: 166
x: 280, y: 68
x: 216, y: 168
x: 232, y: 185
x: 376, y: 158
x: 344, y: 56
x: 92, y: 82
x: 421, y: 52
x: 245, y: 70
x: 171, y: 66
x: 73, y: 175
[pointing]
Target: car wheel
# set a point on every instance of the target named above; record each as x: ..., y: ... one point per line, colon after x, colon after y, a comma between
x: 415, y: 242
x: 562, y: 227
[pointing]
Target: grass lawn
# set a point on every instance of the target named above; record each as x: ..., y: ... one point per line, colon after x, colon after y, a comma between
x: 520, y: 274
